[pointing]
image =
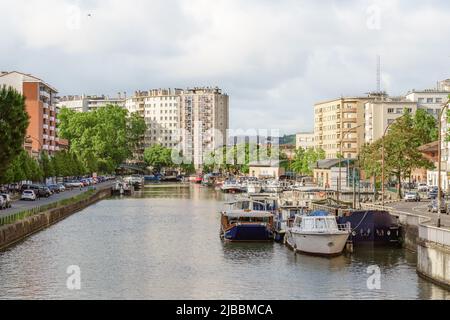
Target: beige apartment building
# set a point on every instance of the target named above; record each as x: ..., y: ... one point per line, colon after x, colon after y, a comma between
x: 304, y: 140
x: 379, y: 114
x: 204, y: 120
x: 340, y: 121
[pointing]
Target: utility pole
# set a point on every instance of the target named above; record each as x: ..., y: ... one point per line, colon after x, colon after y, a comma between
x: 440, y: 162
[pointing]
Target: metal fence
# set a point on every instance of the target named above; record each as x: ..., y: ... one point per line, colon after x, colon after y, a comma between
x: 433, y: 234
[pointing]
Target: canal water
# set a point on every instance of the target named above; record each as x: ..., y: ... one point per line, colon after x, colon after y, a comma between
x: 164, y: 244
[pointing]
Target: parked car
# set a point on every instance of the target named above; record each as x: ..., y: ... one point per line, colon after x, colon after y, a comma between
x: 7, y: 199
x: 2, y: 203
x: 44, y: 191
x: 433, y: 207
x: 412, y: 196
x: 73, y: 184
x: 54, y: 188
x: 61, y: 187
x: 422, y: 187
x: 28, y: 195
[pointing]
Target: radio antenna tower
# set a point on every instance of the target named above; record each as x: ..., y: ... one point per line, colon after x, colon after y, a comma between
x: 378, y: 74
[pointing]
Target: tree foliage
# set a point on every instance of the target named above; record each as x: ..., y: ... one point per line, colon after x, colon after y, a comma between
x: 14, y: 122
x: 158, y: 156
x: 305, y: 159
x: 401, y: 151
x: 102, y: 139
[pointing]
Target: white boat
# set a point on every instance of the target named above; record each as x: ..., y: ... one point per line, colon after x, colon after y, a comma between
x: 317, y: 235
x: 231, y: 186
x: 254, y: 187
x: 273, y: 186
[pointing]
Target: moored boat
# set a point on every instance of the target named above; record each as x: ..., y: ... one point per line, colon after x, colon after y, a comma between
x: 317, y: 235
x: 372, y: 227
x: 232, y: 186
x: 243, y: 223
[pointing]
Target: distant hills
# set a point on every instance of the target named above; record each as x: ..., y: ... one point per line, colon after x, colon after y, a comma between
x: 287, y: 139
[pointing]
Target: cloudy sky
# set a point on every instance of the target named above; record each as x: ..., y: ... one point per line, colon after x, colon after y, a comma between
x: 274, y: 58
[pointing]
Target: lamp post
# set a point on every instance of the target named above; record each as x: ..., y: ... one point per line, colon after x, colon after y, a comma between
x: 340, y: 162
x: 37, y: 140
x: 441, y: 112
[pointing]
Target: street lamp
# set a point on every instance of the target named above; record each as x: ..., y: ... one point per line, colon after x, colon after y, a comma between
x: 341, y: 154
x: 441, y: 112
x: 35, y: 139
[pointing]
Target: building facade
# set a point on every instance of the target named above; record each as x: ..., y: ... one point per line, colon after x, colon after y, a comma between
x: 204, y: 120
x: 304, y: 140
x: 194, y: 121
x: 380, y: 113
x: 340, y: 121
x: 41, y: 106
x: 87, y: 103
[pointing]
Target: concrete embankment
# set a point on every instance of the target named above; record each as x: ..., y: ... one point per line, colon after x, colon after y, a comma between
x: 433, y: 254
x: 17, y: 231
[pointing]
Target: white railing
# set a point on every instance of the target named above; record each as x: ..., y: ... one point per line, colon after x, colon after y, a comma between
x: 45, y: 116
x: 45, y: 105
x: 45, y: 126
x: 45, y: 147
x: 434, y: 234
x: 45, y: 136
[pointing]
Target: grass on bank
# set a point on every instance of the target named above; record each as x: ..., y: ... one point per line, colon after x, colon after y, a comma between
x: 36, y: 210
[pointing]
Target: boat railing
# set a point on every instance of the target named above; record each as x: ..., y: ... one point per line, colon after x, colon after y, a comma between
x: 345, y: 227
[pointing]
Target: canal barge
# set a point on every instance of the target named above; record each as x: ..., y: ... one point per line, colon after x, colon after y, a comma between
x: 244, y: 222
x: 373, y: 227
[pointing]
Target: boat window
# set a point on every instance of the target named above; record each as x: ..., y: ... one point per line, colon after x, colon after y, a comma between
x: 258, y: 206
x: 320, y: 223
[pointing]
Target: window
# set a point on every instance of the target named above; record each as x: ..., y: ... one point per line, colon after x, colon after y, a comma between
x: 391, y: 110
x: 421, y: 100
x: 438, y: 100
x: 429, y: 100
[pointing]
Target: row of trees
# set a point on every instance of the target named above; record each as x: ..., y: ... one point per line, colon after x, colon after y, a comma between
x: 24, y: 167
x: 305, y: 159
x: 401, y: 143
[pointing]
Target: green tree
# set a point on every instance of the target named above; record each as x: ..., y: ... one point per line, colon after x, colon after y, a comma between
x: 101, y: 135
x: 136, y: 128
x: 305, y: 159
x: 14, y: 122
x: 425, y: 126
x: 158, y: 157
x: 46, y: 165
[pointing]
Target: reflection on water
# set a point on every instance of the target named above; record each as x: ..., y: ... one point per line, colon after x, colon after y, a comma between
x: 164, y: 244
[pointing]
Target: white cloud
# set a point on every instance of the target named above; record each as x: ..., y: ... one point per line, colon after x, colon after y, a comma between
x: 275, y: 59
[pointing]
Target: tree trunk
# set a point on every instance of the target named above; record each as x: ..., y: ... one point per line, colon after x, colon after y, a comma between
x: 399, y: 186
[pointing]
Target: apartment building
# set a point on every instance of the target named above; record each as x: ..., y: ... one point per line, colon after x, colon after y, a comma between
x: 160, y: 110
x: 87, y: 103
x: 194, y: 121
x: 304, y: 140
x: 380, y: 113
x: 41, y: 106
x: 204, y: 120
x: 340, y: 121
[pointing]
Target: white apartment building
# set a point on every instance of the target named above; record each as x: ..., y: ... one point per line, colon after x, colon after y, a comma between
x: 87, y: 103
x: 194, y: 121
x: 160, y: 109
x: 378, y: 114
x: 204, y: 120
x: 304, y: 140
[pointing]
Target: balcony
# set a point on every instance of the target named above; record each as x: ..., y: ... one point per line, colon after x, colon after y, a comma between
x: 52, y: 119
x: 52, y: 128
x: 349, y: 110
x: 45, y: 116
x: 45, y: 147
x: 44, y: 94
x: 45, y: 126
x: 45, y: 105
x: 56, y: 139
x: 52, y: 138
x: 51, y: 148
x: 45, y: 136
